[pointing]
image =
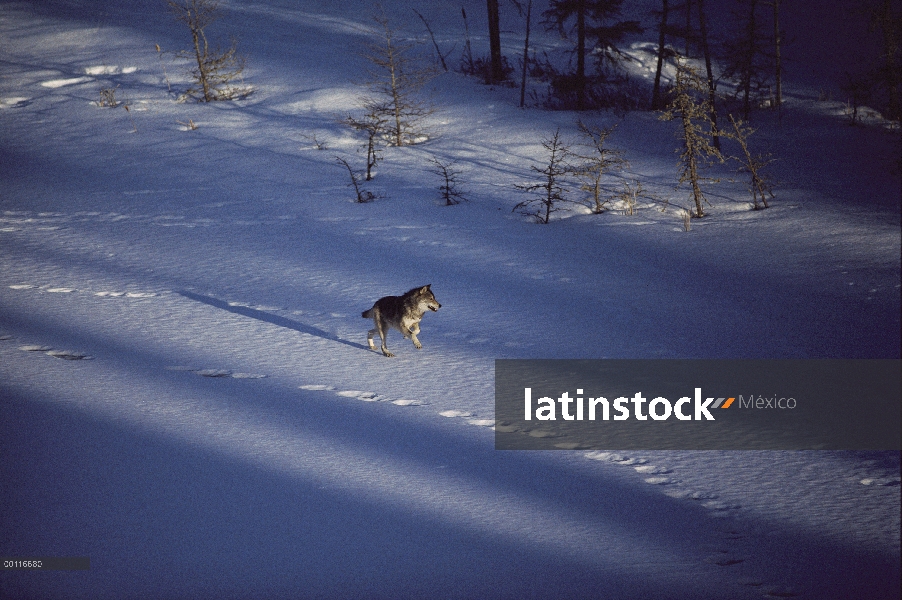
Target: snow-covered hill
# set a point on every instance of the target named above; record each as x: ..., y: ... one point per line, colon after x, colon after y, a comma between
x: 189, y: 400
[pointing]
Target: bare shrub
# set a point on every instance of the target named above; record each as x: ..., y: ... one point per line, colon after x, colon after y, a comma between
x: 108, y: 97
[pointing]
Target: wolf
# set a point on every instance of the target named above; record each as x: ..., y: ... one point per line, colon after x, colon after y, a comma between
x: 404, y: 313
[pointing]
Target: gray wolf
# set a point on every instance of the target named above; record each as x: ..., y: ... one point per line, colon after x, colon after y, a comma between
x: 404, y: 313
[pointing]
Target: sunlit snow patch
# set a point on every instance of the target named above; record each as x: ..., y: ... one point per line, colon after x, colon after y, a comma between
x: 109, y: 70
x: 58, y: 83
x: 12, y: 102
x: 101, y: 70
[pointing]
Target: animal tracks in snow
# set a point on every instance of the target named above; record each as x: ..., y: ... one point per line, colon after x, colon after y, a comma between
x: 50, y: 289
x: 215, y: 373
x: 50, y: 351
x: 73, y: 355
x: 651, y: 469
x: 125, y: 294
x: 884, y: 481
x: 367, y: 396
x: 462, y: 414
x: 657, y: 475
x: 68, y: 355
x: 728, y: 551
x: 363, y: 396
x: 406, y: 402
x: 455, y: 413
x: 16, y: 221
x: 447, y: 238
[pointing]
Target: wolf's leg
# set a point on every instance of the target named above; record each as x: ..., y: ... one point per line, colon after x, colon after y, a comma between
x: 414, y: 330
x: 369, y: 338
x: 383, y: 330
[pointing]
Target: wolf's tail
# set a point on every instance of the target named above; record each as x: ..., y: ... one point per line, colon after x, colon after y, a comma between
x: 367, y: 314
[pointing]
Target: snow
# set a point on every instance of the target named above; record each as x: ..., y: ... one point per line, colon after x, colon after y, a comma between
x: 217, y: 426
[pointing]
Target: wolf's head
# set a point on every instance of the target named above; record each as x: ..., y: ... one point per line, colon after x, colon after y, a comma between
x: 425, y: 298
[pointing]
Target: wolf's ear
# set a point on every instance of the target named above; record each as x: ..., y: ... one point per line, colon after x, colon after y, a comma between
x: 426, y: 287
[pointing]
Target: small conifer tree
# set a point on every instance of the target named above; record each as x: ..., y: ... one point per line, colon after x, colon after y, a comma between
x: 752, y: 164
x: 363, y: 196
x: 449, y: 188
x: 395, y: 84
x: 551, y: 188
x: 372, y: 125
x: 689, y: 103
x: 216, y: 71
x: 594, y: 162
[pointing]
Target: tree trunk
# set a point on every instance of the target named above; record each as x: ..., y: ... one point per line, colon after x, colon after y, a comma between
x: 395, y: 93
x: 890, y: 50
x: 749, y: 60
x: 778, y: 98
x: 703, y: 30
x: 549, y: 198
x: 497, y: 73
x: 688, y: 25
x: 656, y: 91
x: 581, y: 55
x: 525, y: 55
x: 197, y: 34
